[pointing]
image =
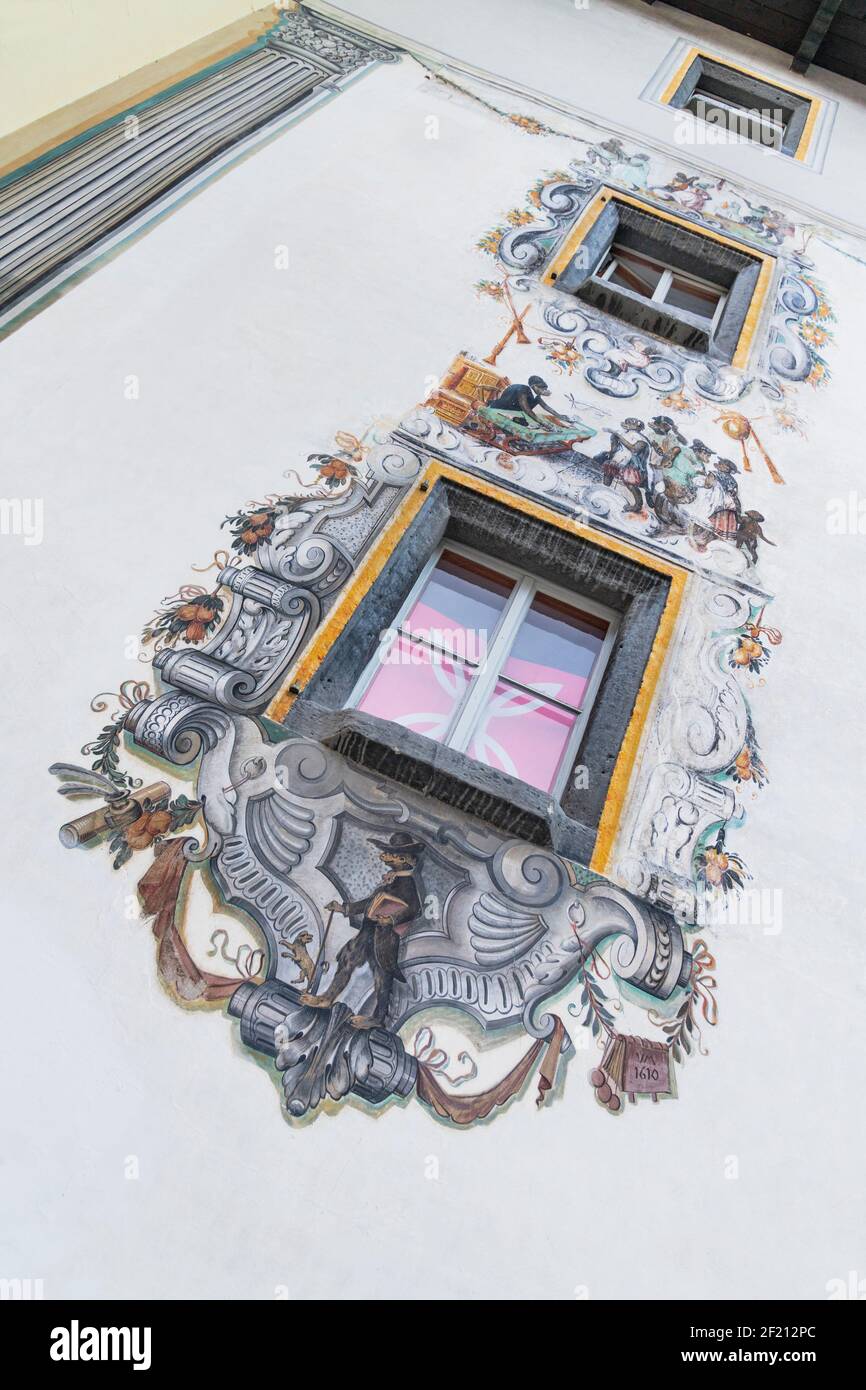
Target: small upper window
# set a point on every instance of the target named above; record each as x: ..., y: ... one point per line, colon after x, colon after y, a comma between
x: 664, y: 275
x: 762, y: 125
x: 493, y: 663
x: 743, y: 104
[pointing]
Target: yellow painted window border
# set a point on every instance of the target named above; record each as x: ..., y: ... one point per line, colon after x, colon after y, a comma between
x: 608, y: 193
x: 815, y: 103
x: 380, y: 553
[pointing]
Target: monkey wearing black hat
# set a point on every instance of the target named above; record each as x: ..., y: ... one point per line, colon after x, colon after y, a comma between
x: 521, y: 400
x: 380, y: 920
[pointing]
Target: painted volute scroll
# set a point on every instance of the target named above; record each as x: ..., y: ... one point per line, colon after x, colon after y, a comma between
x: 458, y: 729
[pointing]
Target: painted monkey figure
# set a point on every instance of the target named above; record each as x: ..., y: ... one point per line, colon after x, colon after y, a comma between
x: 380, y: 920
x: 724, y: 498
x: 674, y: 468
x: 522, y: 400
x: 626, y: 461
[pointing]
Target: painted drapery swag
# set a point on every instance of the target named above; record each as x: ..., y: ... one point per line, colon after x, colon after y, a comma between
x: 372, y: 922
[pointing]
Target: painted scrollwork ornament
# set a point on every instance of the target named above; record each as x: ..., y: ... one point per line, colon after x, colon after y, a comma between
x: 369, y: 934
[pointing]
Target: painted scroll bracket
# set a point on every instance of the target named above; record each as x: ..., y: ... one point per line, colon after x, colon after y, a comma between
x: 288, y: 826
x: 278, y: 602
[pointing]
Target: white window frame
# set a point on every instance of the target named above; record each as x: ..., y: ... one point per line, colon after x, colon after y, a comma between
x: 664, y: 284
x: 752, y: 116
x: 468, y: 709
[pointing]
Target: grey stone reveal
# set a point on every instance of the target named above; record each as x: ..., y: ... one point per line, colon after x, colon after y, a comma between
x: 453, y: 512
x: 742, y: 90
x: 691, y: 252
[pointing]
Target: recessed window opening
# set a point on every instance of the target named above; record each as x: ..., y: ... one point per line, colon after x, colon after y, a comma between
x: 664, y: 276
x: 661, y: 284
x: 492, y: 657
x: 743, y: 105
x: 763, y: 126
x: 494, y: 663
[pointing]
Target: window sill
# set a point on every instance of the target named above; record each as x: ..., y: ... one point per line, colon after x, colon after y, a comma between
x: 683, y: 329
x: 434, y: 770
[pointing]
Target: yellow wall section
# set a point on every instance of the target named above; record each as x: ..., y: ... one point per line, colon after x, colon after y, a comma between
x: 56, y: 54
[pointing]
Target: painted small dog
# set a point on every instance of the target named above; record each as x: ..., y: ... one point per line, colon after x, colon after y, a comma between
x: 297, y: 949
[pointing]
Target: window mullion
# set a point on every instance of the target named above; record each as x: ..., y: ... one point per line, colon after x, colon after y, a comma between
x: 479, y: 670
x: 663, y: 286
x: 488, y: 671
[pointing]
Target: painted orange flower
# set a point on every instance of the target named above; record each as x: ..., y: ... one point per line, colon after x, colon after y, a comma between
x: 813, y: 334
x: 333, y: 469
x: 743, y: 764
x: 259, y: 526
x: 747, y: 651
x: 716, y: 864
x: 519, y: 217
x: 337, y: 468
x: 677, y: 400
x: 143, y: 831
x: 527, y: 123
x: 490, y: 241
x: 789, y: 421
x: 195, y: 618
x: 494, y: 288
x: 565, y: 355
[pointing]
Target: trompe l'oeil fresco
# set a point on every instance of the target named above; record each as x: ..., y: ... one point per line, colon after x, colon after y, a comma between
x: 375, y: 941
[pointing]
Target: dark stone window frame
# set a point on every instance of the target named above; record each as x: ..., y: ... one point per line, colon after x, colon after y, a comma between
x: 744, y: 89
x: 678, y: 245
x: 452, y: 511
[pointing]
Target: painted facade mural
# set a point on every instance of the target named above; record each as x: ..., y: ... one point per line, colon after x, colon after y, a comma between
x: 373, y: 941
x: 678, y: 471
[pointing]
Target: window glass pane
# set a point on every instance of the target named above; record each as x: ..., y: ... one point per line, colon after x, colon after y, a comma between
x: 417, y: 688
x: 635, y: 272
x: 754, y: 123
x: 695, y: 299
x: 523, y: 735
x: 459, y: 606
x: 555, y: 650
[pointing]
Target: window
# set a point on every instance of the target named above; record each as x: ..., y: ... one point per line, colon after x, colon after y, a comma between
x: 766, y: 126
x: 743, y: 105
x: 495, y: 655
x: 661, y: 284
x: 665, y: 276
x: 493, y: 663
